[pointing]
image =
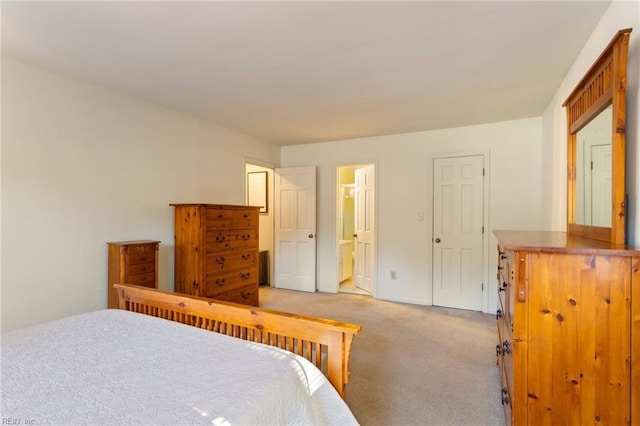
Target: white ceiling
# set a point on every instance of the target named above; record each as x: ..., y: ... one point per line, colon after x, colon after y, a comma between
x: 302, y: 72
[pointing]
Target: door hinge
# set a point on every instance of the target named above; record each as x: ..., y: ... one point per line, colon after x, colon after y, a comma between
x: 483, y: 171
x: 482, y: 229
x: 482, y: 285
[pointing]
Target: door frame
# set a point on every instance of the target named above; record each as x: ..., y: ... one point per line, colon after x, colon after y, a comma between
x: 336, y: 222
x: 486, y: 237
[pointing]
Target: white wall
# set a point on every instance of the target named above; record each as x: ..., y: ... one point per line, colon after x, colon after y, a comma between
x: 403, y: 173
x: 83, y: 165
x: 620, y: 15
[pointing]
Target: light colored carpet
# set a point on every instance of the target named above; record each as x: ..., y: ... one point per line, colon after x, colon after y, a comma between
x: 410, y: 365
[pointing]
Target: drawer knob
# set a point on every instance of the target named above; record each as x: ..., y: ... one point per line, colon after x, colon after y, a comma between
x: 505, y: 396
x: 506, y: 348
x: 220, y: 260
x: 246, y: 256
x: 499, y: 314
x: 498, y: 349
x: 221, y: 282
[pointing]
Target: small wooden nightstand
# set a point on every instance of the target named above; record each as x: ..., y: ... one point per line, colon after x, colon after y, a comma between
x: 132, y: 262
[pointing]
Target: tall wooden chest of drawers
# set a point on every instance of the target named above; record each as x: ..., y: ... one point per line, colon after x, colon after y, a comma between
x: 131, y: 262
x: 216, y: 252
x: 568, y: 330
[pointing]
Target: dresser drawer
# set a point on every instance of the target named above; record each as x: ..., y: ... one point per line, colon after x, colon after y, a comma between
x: 247, y: 295
x: 245, y: 218
x: 218, y: 283
x: 507, y: 363
x: 506, y: 284
x: 237, y: 239
x: 148, y: 280
x: 231, y: 260
x: 134, y: 259
x: 505, y: 366
x: 141, y: 268
x: 506, y: 396
x: 505, y: 262
x: 224, y: 218
x: 504, y: 329
x: 218, y: 218
x: 502, y: 301
x: 141, y: 248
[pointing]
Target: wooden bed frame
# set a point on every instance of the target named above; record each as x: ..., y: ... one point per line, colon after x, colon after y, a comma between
x: 325, y: 343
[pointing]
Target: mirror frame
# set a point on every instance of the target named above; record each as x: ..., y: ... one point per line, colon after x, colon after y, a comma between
x: 604, y: 84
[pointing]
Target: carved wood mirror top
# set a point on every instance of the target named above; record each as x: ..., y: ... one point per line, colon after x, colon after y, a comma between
x: 596, y: 147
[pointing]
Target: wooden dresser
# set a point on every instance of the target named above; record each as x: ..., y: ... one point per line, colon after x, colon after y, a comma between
x: 216, y: 252
x: 568, y: 330
x: 131, y: 262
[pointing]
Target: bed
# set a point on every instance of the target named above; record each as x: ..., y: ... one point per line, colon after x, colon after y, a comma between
x: 165, y: 358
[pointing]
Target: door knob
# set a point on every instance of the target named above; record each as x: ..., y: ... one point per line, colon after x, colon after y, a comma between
x: 310, y: 235
x: 437, y: 240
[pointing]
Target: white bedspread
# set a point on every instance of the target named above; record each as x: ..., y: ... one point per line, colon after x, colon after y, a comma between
x: 118, y: 367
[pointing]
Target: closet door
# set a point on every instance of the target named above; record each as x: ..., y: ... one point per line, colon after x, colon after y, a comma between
x: 458, y: 197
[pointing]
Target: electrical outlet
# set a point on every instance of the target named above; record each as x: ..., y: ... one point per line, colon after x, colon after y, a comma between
x: 420, y: 215
x: 394, y: 275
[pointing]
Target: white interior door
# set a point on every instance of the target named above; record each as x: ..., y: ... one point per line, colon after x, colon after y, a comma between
x: 598, y: 184
x: 295, y: 228
x: 458, y: 196
x: 364, y: 227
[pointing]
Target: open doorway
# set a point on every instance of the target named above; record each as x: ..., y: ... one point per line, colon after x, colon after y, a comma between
x: 258, y: 191
x: 355, y: 228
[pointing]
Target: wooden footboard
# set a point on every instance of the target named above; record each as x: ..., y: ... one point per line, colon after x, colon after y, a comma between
x: 326, y: 343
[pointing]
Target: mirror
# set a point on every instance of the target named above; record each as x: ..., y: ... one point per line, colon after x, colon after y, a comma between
x: 596, y: 147
x: 593, y: 171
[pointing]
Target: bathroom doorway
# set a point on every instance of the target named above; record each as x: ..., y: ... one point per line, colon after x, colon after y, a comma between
x: 355, y: 229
